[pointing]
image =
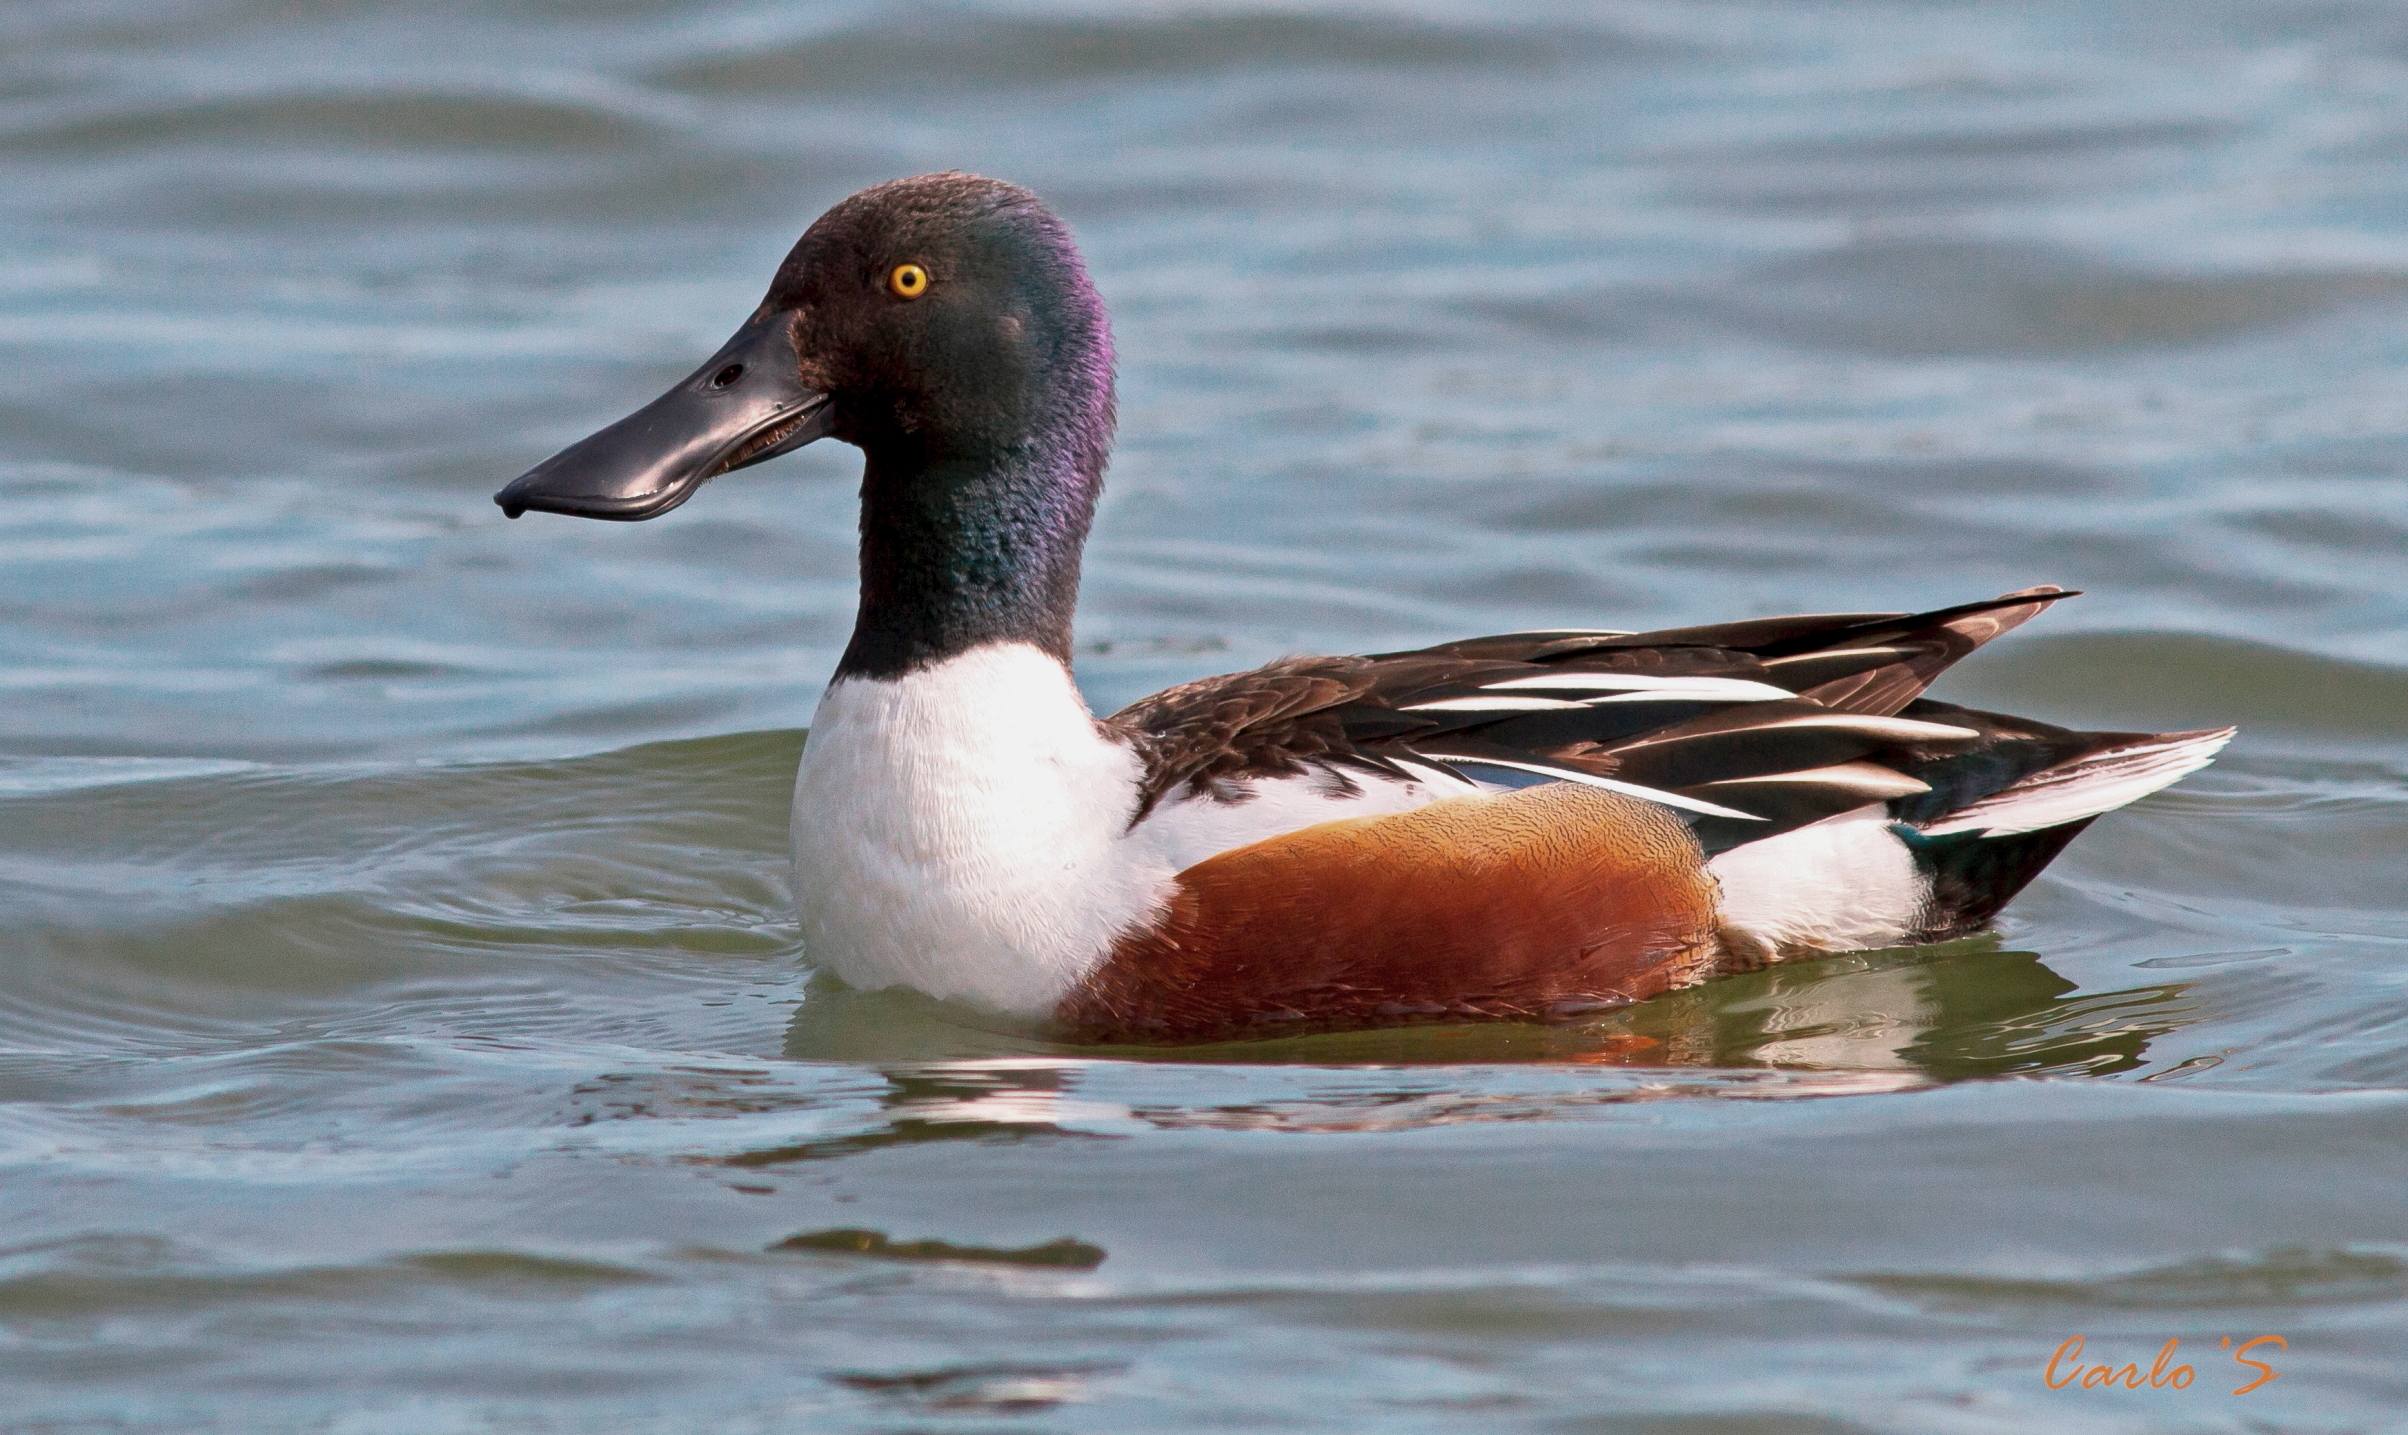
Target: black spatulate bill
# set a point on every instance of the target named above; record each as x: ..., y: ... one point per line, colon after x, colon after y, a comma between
x: 747, y: 403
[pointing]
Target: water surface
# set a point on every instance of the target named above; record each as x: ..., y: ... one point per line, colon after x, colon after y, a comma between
x: 402, y: 1027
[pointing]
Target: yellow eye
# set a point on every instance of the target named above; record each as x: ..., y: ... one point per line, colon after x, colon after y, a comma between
x: 909, y: 281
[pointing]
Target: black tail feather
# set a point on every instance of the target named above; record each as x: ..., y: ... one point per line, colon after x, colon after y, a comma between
x: 1973, y: 875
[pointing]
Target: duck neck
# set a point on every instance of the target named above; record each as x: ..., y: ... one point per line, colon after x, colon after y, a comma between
x: 958, y: 552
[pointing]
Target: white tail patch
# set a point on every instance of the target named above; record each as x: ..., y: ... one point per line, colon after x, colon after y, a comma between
x: 1838, y: 885
x: 2086, y: 786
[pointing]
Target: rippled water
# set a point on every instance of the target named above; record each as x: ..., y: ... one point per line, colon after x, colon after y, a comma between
x: 401, y: 1024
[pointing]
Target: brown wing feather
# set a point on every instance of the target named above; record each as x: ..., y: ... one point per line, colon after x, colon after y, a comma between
x: 1937, y: 641
x: 1271, y: 721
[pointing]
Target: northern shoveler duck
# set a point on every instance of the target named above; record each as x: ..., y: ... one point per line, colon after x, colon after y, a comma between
x: 1523, y: 826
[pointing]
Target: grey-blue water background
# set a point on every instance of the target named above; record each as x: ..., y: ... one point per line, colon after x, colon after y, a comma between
x: 401, y: 1024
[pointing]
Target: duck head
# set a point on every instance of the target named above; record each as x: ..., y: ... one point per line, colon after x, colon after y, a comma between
x: 944, y: 325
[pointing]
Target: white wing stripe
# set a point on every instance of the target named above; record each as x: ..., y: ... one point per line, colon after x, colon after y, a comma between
x: 1627, y: 789
x: 1489, y: 705
x: 1885, y: 729
x: 1870, y: 779
x: 1727, y: 691
x: 1826, y: 654
x: 1702, y: 686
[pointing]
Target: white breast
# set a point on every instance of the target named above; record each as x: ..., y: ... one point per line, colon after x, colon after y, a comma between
x: 959, y: 830
x: 964, y: 830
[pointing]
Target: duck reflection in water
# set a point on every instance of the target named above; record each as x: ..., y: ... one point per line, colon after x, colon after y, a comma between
x: 1859, y: 1024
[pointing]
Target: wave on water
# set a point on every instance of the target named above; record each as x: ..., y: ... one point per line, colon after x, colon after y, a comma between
x: 977, y: 49
x: 564, y: 896
x: 344, y: 120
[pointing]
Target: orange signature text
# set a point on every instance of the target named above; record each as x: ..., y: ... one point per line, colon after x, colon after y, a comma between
x: 2066, y: 1370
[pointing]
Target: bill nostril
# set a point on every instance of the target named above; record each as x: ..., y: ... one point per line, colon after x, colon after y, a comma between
x: 727, y: 376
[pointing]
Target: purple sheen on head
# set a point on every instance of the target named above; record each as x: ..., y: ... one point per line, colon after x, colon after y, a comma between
x: 1083, y: 365
x: 986, y: 409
